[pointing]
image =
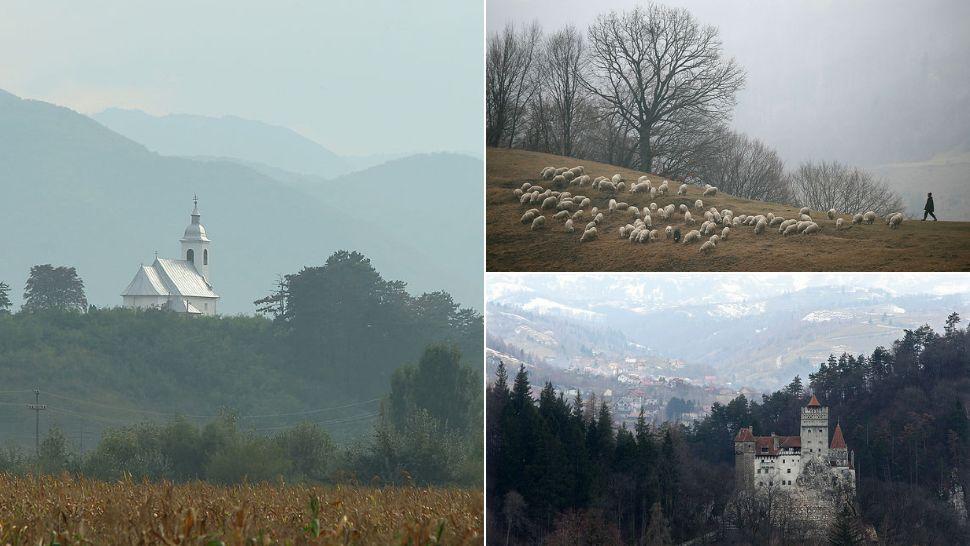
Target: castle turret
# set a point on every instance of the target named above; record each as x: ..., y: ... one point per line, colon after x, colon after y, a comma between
x: 815, y: 430
x: 838, y: 452
x: 744, y: 459
x: 195, y: 244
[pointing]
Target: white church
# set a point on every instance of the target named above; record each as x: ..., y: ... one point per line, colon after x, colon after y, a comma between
x: 179, y: 285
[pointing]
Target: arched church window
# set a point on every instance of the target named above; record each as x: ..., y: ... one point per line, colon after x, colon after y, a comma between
x: 190, y: 255
x: 205, y: 256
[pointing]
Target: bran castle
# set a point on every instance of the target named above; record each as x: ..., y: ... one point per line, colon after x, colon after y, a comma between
x: 817, y: 472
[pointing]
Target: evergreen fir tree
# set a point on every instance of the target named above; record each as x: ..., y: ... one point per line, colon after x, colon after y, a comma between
x: 658, y: 533
x: 845, y: 529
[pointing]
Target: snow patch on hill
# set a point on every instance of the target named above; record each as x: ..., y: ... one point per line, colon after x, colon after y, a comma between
x: 543, y: 306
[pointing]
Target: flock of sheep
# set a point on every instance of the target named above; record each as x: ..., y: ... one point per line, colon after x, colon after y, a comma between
x: 571, y: 209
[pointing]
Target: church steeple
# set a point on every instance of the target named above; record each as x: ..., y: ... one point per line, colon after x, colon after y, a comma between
x: 195, y: 243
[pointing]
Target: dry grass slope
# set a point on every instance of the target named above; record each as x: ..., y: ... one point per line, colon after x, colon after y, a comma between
x: 511, y: 246
x: 51, y: 510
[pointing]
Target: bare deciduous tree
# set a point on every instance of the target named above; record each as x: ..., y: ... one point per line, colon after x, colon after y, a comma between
x: 560, y: 75
x: 508, y: 66
x: 653, y: 65
x: 745, y: 167
x: 833, y: 185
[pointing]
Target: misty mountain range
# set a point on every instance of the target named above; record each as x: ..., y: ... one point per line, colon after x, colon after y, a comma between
x: 760, y: 335
x: 79, y: 193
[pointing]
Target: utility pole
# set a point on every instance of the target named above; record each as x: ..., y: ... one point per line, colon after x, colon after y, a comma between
x: 37, y: 407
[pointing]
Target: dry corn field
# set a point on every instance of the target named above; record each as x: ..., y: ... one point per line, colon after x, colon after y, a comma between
x: 66, y: 510
x: 512, y: 246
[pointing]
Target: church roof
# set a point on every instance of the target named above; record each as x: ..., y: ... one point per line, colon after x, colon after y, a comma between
x: 146, y: 283
x: 814, y: 403
x: 838, y: 442
x: 169, y: 278
x: 183, y: 278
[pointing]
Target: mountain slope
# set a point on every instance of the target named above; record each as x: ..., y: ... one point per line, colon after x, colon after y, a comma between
x: 226, y: 137
x: 76, y: 193
x: 511, y: 246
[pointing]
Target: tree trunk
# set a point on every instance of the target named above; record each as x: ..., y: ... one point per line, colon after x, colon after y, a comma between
x: 646, y: 153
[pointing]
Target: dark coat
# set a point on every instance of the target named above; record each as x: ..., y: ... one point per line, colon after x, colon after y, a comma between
x: 929, y: 205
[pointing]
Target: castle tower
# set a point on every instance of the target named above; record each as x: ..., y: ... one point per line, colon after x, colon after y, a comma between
x: 838, y: 452
x: 744, y: 459
x: 195, y: 244
x: 815, y: 430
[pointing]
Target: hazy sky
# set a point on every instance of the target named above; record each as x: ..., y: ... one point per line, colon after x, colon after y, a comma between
x: 379, y: 76
x: 866, y: 82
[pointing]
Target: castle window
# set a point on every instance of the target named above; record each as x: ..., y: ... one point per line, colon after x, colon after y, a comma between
x: 789, y: 471
x: 190, y: 255
x: 205, y: 256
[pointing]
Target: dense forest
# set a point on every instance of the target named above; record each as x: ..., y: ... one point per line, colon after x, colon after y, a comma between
x: 349, y: 377
x: 557, y: 468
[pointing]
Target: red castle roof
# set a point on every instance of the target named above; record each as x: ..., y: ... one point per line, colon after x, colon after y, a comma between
x: 813, y: 403
x: 744, y: 435
x: 838, y: 442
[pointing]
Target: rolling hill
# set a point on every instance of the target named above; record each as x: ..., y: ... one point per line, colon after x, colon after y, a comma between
x: 76, y: 193
x: 511, y: 246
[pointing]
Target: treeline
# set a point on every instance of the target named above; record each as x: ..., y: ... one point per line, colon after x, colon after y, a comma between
x: 652, y: 89
x: 427, y: 433
x: 554, y: 467
x: 341, y: 341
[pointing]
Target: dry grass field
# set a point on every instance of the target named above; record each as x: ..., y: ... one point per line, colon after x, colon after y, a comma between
x: 65, y: 510
x: 512, y: 246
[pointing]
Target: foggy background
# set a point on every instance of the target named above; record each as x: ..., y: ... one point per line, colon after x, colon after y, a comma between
x: 881, y: 85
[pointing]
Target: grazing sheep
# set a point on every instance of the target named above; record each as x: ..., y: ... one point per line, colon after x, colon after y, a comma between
x: 838, y: 224
x: 682, y: 208
x: 775, y: 221
x: 832, y: 214
x: 635, y: 211
x: 770, y: 217
x: 585, y: 202
x: 598, y: 218
x: 607, y: 186
x: 559, y: 181
x: 710, y: 190
x: 715, y: 239
x: 547, y: 173
x: 612, y: 206
x: 653, y: 207
x: 698, y: 204
x: 526, y: 186
x: 578, y: 214
x: 569, y: 175
x: 791, y: 229
x: 653, y: 192
x: 538, y: 223
x: 528, y: 217
x: 688, y: 219
x: 669, y: 232
x: 725, y: 232
x: 561, y: 215
x: 895, y: 220
x: 682, y: 190
x: 716, y: 216
x: 869, y: 217
x: 646, y: 212
x: 760, y: 227
x: 643, y: 236
x: 663, y: 213
x: 594, y: 212
x: 736, y: 221
x: 579, y: 170
x: 857, y: 219
x: 561, y: 170
x: 805, y: 217
x: 566, y: 204
x: 525, y: 198
x: 588, y: 235
x: 622, y: 205
x: 621, y: 187
x: 625, y: 231
x: 517, y: 192
x: 801, y: 225
x: 549, y: 203
x: 804, y: 210
x: 708, y: 216
x: 617, y: 179
x: 784, y: 225
x: 692, y: 237
x: 590, y: 225
x: 813, y: 228
x: 569, y: 226
x: 707, y: 247
x: 742, y: 217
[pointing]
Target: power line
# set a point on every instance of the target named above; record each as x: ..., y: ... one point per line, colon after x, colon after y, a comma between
x: 330, y: 422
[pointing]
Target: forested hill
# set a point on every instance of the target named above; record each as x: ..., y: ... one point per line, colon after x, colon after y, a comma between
x: 328, y: 359
x: 555, y: 468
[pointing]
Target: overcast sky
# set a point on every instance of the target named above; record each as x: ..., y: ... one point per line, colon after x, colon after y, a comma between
x: 381, y: 76
x: 866, y: 82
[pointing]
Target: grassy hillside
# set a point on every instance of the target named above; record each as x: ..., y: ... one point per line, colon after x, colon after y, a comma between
x: 512, y: 246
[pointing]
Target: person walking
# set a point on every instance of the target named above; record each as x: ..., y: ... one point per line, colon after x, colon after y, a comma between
x: 928, y: 208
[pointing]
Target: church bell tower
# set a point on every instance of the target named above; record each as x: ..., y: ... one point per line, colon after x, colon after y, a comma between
x: 195, y: 244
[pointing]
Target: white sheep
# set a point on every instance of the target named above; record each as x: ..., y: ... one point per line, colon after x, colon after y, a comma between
x: 770, y: 217
x: 643, y: 236
x: 653, y: 207
x: 775, y: 221
x: 784, y: 225
x: 838, y: 224
x: 525, y: 198
x: 598, y: 218
x: 669, y: 231
x: 612, y: 205
x: 715, y: 239
x: 791, y: 229
x: 607, y: 186
x: 707, y: 247
x: 895, y: 220
x: 760, y: 227
x: 682, y: 208
x: 569, y: 175
x: 622, y: 205
x: 588, y: 235
x: 617, y: 179
x: 869, y: 217
x: 688, y: 219
x: 621, y: 187
x: 578, y: 170
x: 813, y: 228
x: 710, y: 190
x: 578, y: 214
x: 725, y: 232
x: 559, y: 181
x: 569, y: 226
x: 804, y: 210
x: 562, y: 215
x: 594, y: 211
x: 561, y: 170
x: 538, y: 223
x: 857, y: 219
x: 682, y: 190
x: 832, y: 214
x: 653, y: 192
x: 692, y: 237
x: 805, y: 217
x: 736, y: 221
x: 528, y: 217
x: 549, y: 203
x: 590, y: 225
x: 647, y: 220
x: 698, y: 204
